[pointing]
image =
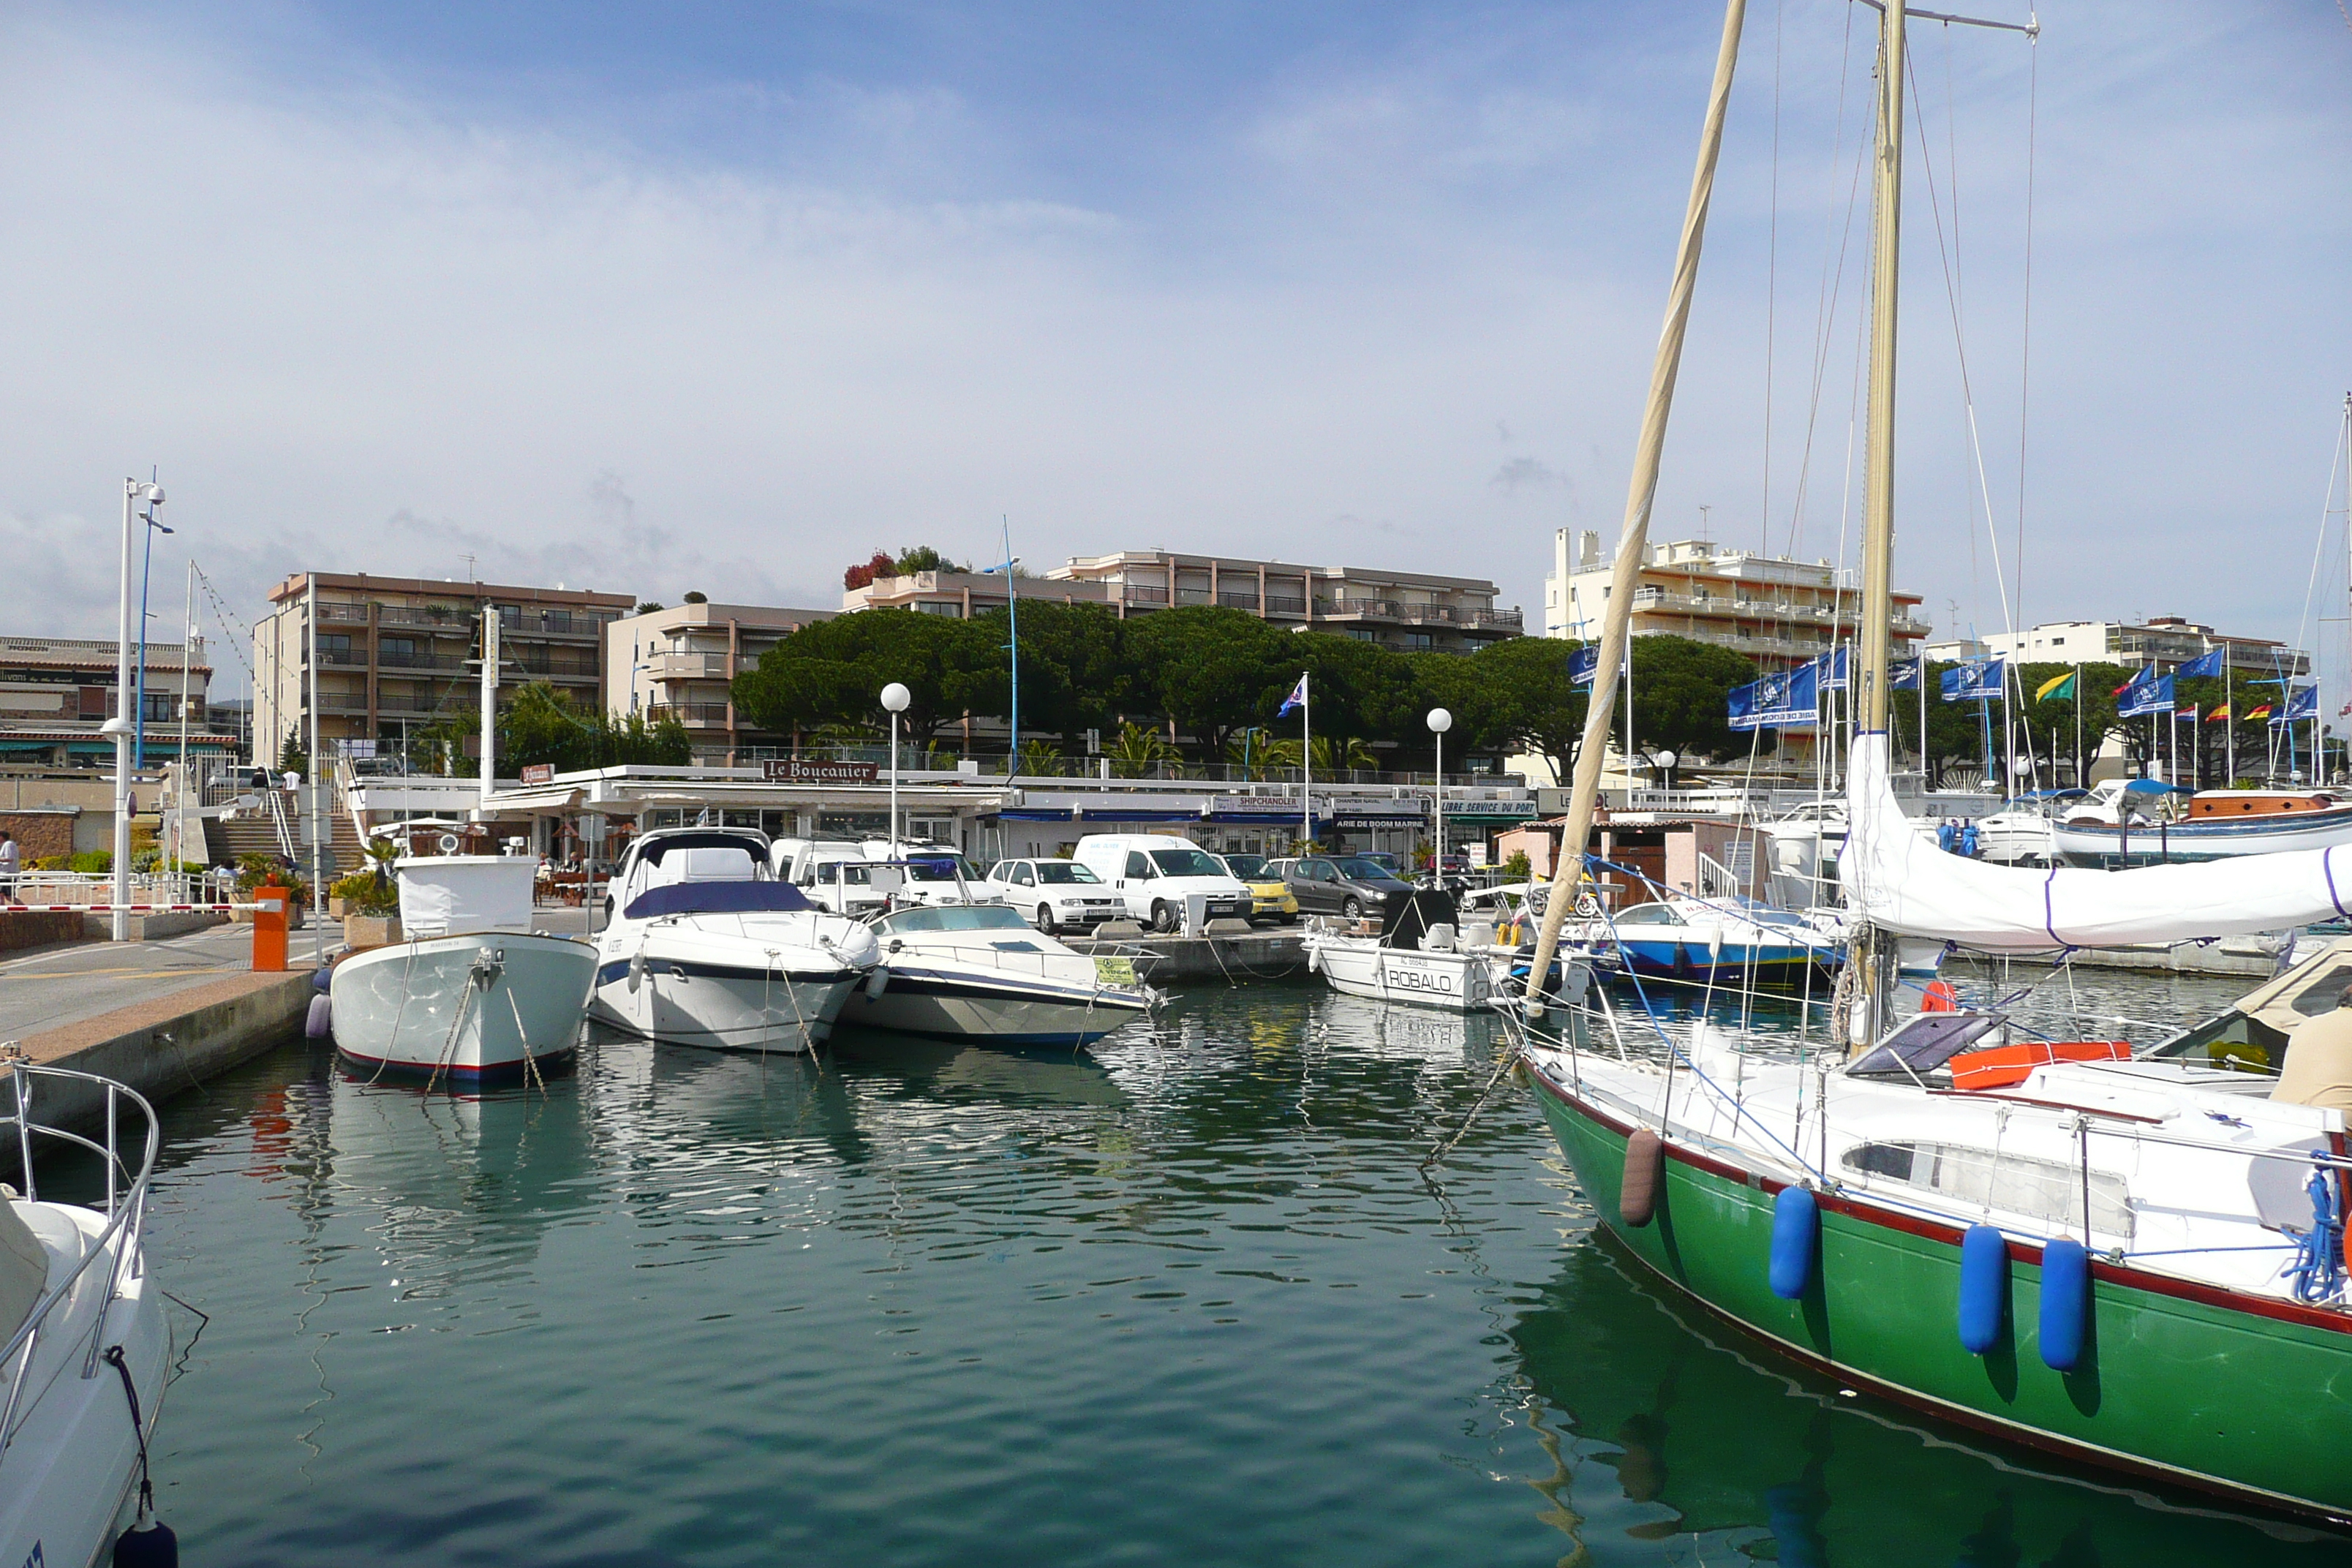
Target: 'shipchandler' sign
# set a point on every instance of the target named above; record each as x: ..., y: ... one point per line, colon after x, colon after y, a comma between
x: 792, y: 769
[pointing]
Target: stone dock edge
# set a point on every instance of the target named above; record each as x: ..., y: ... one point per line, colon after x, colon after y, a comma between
x: 167, y: 1043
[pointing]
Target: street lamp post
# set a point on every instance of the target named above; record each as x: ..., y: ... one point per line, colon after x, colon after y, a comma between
x: 139, y: 708
x: 134, y: 492
x: 894, y: 696
x: 1439, y: 720
x: 1666, y: 761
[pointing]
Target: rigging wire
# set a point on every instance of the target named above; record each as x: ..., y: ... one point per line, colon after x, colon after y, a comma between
x: 1832, y: 288
x: 1771, y: 278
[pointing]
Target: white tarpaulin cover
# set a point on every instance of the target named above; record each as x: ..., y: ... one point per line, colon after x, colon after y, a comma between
x: 446, y: 895
x: 1903, y: 883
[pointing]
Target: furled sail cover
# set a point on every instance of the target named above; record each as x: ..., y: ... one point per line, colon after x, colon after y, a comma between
x: 1903, y: 883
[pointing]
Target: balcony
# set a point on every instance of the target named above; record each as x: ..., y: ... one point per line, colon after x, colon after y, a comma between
x: 693, y: 715
x: 584, y: 623
x: 1239, y: 601
x: 1424, y: 614
x: 687, y: 667
x: 345, y: 657
x: 392, y: 659
x: 452, y: 617
x: 1276, y: 604
x: 1137, y: 594
x: 1195, y: 596
x: 343, y: 612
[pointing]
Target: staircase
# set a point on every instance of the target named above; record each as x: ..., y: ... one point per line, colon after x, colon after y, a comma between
x: 231, y: 838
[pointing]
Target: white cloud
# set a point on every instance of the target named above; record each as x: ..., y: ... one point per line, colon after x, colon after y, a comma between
x: 367, y: 327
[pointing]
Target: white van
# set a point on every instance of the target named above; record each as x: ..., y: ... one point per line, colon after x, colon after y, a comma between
x: 1153, y: 872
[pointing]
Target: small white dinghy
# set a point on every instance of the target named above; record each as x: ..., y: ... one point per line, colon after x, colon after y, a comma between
x: 81, y: 1375
x: 473, y: 994
x: 706, y: 948
x: 978, y: 972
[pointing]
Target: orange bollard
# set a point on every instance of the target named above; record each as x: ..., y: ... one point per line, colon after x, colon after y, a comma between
x: 269, y: 930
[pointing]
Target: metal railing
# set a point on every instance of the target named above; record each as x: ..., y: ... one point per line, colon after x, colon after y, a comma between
x: 126, y: 1211
x: 395, y: 658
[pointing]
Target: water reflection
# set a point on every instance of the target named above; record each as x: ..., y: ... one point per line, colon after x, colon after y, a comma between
x: 1667, y: 1428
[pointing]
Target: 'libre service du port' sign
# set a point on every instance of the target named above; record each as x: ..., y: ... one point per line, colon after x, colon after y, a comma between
x: 792, y: 769
x: 538, y: 773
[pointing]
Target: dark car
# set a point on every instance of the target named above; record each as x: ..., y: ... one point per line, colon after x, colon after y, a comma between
x: 1347, y: 885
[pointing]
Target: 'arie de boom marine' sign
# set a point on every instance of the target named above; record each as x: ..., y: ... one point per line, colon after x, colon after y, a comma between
x: 790, y: 769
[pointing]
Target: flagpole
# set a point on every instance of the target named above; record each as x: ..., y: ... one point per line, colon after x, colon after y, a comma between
x: 1305, y: 764
x: 2230, y: 725
x: 2078, y: 728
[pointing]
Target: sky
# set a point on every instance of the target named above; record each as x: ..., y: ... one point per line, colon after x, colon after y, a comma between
x: 724, y: 297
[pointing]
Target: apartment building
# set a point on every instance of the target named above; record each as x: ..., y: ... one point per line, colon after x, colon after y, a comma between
x: 2168, y: 641
x: 56, y: 692
x: 397, y: 654
x: 1776, y: 611
x: 1405, y: 610
x: 681, y: 662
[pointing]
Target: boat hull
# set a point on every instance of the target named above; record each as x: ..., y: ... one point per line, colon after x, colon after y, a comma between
x: 940, y: 1004
x: 67, y: 1489
x: 2107, y: 848
x: 1457, y: 981
x: 422, y: 1008
x: 1767, y: 963
x: 720, y: 1006
x: 2177, y: 1383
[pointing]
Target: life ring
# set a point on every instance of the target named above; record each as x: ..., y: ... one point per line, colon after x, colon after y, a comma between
x: 449, y: 844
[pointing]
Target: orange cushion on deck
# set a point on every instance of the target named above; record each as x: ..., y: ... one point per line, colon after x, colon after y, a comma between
x: 2002, y: 1066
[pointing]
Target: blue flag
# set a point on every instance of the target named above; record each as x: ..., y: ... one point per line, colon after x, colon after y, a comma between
x: 1297, y: 699
x: 1583, y: 665
x: 2205, y: 664
x: 2144, y: 696
x: 1831, y: 670
x: 1787, y: 698
x: 1903, y: 674
x: 2302, y: 704
x: 1977, y: 681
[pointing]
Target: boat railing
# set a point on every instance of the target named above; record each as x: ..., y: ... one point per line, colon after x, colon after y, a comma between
x: 126, y: 1211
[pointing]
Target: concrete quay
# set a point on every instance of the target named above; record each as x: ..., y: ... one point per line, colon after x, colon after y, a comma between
x: 1181, y: 960
x: 157, y: 1016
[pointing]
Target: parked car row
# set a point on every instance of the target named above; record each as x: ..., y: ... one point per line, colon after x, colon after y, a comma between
x: 1144, y: 877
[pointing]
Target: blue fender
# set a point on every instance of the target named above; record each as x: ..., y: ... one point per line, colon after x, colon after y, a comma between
x: 2065, y: 1303
x: 1796, y: 1240
x: 1984, y: 1287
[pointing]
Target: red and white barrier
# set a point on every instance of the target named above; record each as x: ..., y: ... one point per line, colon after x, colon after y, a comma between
x: 125, y: 909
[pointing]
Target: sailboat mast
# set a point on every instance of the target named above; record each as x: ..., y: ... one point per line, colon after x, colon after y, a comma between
x: 1878, y: 503
x: 1585, y: 785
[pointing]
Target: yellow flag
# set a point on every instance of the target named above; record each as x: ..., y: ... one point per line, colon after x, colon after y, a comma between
x: 2058, y: 686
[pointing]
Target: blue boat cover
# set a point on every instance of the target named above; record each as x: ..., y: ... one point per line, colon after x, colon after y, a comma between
x: 716, y: 898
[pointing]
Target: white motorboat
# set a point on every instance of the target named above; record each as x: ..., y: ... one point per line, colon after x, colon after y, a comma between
x: 472, y: 994
x: 83, y: 1367
x: 978, y: 972
x: 1418, y: 957
x: 706, y: 948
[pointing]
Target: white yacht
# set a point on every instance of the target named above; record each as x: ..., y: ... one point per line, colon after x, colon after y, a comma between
x: 706, y: 948
x: 978, y: 972
x: 86, y: 1339
x: 471, y: 994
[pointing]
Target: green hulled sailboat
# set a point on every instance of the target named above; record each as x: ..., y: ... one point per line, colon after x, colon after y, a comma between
x: 2139, y: 1263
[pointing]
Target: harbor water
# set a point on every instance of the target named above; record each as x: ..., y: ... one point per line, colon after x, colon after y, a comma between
x: 1186, y: 1298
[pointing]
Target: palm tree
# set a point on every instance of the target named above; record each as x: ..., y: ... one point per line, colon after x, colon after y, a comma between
x: 1138, y: 750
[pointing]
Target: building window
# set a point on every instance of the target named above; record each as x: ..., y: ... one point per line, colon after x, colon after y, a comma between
x: 939, y: 608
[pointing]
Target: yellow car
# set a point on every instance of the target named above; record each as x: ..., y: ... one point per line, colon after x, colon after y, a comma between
x: 1270, y: 897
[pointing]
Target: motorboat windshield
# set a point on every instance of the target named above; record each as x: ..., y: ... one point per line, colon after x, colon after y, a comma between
x: 951, y: 917
x: 728, y: 898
